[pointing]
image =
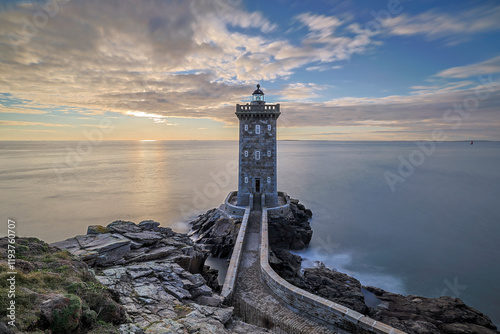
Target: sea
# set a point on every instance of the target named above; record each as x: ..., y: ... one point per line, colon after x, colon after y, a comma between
x: 419, y: 218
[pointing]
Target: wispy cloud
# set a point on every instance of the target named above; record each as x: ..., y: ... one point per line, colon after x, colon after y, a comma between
x: 454, y: 28
x: 324, y: 25
x: 300, y: 91
x: 18, y: 110
x: 419, y: 113
x: 30, y: 130
x: 22, y: 123
x: 489, y: 66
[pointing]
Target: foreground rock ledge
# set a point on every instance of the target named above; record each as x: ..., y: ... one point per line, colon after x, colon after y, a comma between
x: 159, y: 278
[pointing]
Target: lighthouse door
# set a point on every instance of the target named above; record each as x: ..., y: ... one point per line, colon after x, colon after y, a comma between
x: 257, y: 185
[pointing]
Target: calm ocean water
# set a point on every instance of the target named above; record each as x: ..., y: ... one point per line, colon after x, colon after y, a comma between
x: 435, y: 234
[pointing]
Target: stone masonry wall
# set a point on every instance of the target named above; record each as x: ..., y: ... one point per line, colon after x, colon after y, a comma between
x: 313, y: 305
x: 232, y: 271
x: 257, y: 154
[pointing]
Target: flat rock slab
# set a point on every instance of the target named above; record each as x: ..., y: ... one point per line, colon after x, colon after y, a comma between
x: 154, y: 254
x: 149, y: 225
x: 122, y: 227
x: 146, y: 237
x: 113, y: 256
x: 102, y: 242
x: 70, y: 244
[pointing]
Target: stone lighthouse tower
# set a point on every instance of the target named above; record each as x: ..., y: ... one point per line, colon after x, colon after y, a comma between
x: 257, y: 156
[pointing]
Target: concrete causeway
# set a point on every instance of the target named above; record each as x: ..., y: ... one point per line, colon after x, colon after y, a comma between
x: 261, y: 297
x: 254, y: 301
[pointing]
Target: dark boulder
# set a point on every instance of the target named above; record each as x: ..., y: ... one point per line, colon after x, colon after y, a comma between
x: 292, y: 231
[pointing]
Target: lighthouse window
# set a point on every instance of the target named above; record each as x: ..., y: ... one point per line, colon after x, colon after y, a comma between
x: 269, y: 153
x: 246, y: 127
x: 246, y: 154
x: 268, y: 179
x: 246, y: 179
x: 257, y: 155
x: 269, y: 127
x: 257, y: 129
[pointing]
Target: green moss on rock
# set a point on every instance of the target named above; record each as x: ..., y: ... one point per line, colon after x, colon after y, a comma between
x: 66, y: 319
x: 97, y: 229
x: 50, y: 272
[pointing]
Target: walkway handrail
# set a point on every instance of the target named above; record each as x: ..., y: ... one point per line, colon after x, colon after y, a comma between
x: 316, y: 306
x: 232, y: 271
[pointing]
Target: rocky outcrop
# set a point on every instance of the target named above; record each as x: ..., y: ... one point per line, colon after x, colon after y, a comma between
x: 335, y: 286
x: 411, y: 314
x: 292, y: 231
x: 415, y: 314
x: 158, y: 277
x: 216, y: 232
x: 288, y: 265
x: 153, y: 291
x: 124, y: 242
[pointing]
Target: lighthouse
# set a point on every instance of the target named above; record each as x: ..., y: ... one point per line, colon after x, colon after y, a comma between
x: 257, y: 150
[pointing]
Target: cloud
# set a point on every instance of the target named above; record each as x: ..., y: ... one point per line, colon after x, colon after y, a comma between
x: 329, y: 43
x: 234, y: 15
x: 300, y: 91
x: 412, y: 113
x: 444, y: 87
x: 489, y: 66
x: 324, y: 25
x: 124, y: 55
x: 176, y: 59
x: 22, y: 123
x: 156, y: 118
x: 17, y: 110
x: 323, y: 68
x: 455, y: 28
x: 197, y: 59
x: 463, y: 109
x: 30, y: 130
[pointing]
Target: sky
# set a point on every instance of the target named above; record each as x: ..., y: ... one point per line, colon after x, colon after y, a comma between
x: 174, y: 70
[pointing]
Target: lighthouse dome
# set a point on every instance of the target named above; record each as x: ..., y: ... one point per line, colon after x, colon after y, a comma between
x: 258, y: 91
x: 258, y: 96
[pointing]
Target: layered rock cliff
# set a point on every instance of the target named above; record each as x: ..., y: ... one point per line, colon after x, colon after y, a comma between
x: 121, y: 278
x: 158, y: 276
